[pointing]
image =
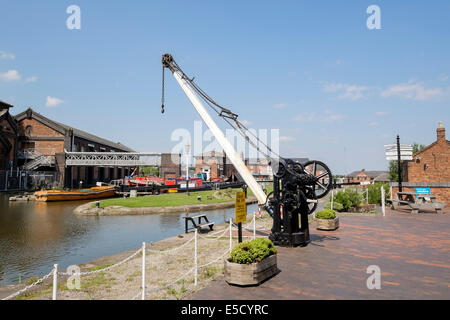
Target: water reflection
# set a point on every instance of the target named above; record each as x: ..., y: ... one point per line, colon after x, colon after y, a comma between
x: 36, y: 235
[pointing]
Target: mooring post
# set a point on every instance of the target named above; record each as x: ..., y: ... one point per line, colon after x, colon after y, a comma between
x: 195, y: 261
x: 143, y: 270
x: 55, y: 281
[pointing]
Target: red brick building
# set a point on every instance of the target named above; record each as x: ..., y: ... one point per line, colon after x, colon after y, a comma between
x: 42, y: 142
x: 363, y: 176
x: 8, y: 137
x: 430, y: 168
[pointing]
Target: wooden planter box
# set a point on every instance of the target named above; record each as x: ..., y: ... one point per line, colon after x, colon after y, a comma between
x: 327, y: 224
x: 250, y: 274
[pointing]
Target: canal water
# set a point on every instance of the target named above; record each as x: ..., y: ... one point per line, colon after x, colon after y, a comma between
x: 36, y: 235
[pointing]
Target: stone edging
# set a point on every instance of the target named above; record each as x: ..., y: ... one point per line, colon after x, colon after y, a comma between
x: 87, y: 210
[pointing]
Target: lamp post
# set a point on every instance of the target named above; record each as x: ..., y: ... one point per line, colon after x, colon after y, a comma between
x: 188, y: 148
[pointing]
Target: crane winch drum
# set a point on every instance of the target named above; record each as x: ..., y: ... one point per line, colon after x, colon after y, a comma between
x: 296, y: 186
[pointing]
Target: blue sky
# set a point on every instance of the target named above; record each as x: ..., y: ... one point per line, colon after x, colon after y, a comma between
x: 336, y: 90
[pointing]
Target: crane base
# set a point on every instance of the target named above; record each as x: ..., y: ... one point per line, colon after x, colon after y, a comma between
x: 290, y: 239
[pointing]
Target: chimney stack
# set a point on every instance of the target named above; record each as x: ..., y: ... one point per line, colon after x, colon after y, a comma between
x: 440, y: 132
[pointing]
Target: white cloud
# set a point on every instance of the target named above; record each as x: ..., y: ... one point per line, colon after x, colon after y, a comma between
x: 11, y: 75
x: 332, y: 117
x: 381, y: 113
x: 31, y: 79
x: 53, y: 102
x: 443, y: 77
x: 373, y: 124
x: 5, y: 55
x: 346, y: 91
x: 280, y: 105
x: 305, y: 117
x: 286, y: 138
x: 412, y: 90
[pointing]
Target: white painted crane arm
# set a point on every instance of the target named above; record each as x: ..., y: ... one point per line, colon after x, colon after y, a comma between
x: 221, y: 139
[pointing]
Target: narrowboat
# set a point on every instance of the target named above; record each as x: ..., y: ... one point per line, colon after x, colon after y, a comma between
x: 85, y: 194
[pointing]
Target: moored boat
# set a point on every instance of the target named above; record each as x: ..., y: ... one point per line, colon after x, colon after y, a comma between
x: 61, y: 195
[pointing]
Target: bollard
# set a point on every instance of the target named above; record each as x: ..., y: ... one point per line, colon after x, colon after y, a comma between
x: 195, y: 261
x: 281, y: 211
x: 231, y: 234
x: 383, y: 206
x: 259, y: 210
x: 55, y: 281
x: 143, y: 270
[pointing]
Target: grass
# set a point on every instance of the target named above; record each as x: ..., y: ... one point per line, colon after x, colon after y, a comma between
x: 172, y: 199
x: 176, y: 199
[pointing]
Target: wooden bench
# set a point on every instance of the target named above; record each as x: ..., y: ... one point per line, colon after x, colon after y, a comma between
x: 197, y: 225
x: 417, y: 202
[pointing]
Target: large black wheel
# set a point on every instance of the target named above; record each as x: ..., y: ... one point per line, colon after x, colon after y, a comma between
x: 311, y: 195
x: 322, y: 176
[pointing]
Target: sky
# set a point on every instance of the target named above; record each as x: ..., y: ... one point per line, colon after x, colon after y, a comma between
x: 336, y: 90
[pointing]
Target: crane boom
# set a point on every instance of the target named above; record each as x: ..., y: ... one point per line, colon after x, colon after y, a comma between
x: 220, y: 137
x: 296, y: 186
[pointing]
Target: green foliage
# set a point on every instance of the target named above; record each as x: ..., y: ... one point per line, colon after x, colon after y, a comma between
x: 347, y: 198
x: 337, y: 206
x: 393, y: 171
x: 375, y: 192
x: 327, y: 214
x: 150, y: 171
x: 252, y: 251
x: 417, y: 147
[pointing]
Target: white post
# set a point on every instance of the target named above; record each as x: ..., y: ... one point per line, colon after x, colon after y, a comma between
x: 367, y: 194
x: 143, y: 270
x: 55, y: 281
x: 254, y: 225
x: 231, y: 234
x: 383, y: 206
x: 332, y: 199
x: 195, y: 261
x: 390, y: 191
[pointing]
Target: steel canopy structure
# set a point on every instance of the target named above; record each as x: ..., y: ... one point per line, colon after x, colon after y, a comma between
x: 121, y: 159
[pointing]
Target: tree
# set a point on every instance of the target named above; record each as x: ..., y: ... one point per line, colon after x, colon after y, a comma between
x: 417, y: 147
x: 393, y: 171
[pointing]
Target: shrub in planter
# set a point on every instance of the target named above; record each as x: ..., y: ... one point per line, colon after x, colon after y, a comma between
x: 326, y: 220
x: 252, y: 251
x: 251, y: 262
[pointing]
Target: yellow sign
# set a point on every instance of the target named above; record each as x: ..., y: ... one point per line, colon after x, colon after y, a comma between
x: 240, y: 207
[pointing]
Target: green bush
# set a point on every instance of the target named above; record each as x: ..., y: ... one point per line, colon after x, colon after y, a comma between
x: 348, y: 198
x: 327, y: 214
x: 375, y: 192
x: 252, y: 251
x: 336, y: 206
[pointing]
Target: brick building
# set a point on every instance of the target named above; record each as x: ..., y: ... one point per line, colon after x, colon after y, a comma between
x: 364, y: 177
x: 430, y: 168
x: 8, y: 137
x: 42, y: 142
x: 214, y: 164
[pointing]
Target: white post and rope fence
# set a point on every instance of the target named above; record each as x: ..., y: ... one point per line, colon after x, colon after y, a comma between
x: 143, y: 270
x: 55, y: 281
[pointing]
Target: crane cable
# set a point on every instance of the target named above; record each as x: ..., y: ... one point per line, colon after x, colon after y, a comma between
x: 224, y: 113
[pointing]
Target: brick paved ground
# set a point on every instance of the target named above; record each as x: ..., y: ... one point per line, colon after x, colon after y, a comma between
x: 412, y: 251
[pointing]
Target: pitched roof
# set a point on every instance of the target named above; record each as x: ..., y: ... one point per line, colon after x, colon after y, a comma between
x: 62, y: 128
x: 371, y: 174
x: 4, y: 105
